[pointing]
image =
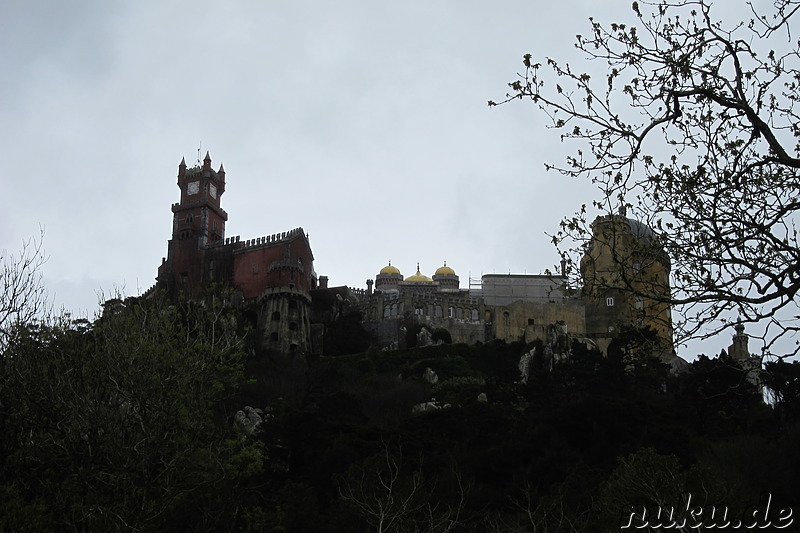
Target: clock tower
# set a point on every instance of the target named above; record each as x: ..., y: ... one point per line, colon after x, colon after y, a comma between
x: 198, y: 223
x: 198, y: 216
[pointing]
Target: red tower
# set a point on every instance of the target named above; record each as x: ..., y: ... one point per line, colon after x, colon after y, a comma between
x: 198, y: 223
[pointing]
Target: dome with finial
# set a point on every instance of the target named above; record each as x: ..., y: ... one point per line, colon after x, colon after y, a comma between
x: 445, y: 270
x: 419, y: 277
x: 389, y: 269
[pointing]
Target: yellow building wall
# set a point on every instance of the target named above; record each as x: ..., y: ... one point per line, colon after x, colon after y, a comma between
x: 529, y: 320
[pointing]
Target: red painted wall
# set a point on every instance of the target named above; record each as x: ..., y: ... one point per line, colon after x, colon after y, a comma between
x: 251, y: 267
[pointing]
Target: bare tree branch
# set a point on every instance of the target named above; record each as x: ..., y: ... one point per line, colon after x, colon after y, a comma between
x: 23, y: 297
x: 695, y: 131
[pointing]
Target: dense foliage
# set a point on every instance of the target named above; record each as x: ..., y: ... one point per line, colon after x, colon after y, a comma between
x: 128, y: 423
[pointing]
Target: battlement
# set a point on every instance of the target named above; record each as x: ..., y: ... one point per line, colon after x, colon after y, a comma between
x: 195, y: 170
x: 286, y: 291
x: 146, y: 294
x: 287, y: 264
x: 360, y: 293
x: 266, y: 240
x: 199, y: 202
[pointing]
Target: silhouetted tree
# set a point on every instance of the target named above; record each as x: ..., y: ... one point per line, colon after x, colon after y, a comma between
x: 694, y: 129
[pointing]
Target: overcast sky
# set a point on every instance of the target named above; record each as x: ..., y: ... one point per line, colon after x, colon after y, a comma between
x: 366, y: 123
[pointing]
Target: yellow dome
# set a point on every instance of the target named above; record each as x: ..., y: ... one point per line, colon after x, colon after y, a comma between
x: 389, y: 269
x: 445, y: 271
x: 418, y: 276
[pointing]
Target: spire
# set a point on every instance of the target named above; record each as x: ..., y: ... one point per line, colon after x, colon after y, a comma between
x: 182, y: 169
x: 207, y: 161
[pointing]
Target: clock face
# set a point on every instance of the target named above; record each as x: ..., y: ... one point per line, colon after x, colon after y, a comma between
x: 213, y: 190
x: 193, y: 188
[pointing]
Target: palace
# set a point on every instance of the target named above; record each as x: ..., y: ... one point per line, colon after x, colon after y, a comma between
x: 275, y: 271
x: 624, y: 274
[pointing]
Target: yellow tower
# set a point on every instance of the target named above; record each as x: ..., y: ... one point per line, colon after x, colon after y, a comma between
x: 625, y: 274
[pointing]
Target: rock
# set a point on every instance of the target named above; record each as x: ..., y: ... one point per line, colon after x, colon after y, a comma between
x: 429, y: 406
x: 249, y: 420
x: 525, y: 365
x: 424, y: 338
x: 430, y: 376
x: 482, y: 398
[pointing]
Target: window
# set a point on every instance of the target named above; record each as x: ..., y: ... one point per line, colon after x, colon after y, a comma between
x: 276, y: 315
x: 530, y: 321
x: 273, y: 336
x: 639, y: 304
x: 292, y: 326
x: 610, y: 302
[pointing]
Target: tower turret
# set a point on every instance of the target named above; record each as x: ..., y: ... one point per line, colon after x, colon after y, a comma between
x: 625, y: 274
x: 446, y: 278
x: 198, y: 222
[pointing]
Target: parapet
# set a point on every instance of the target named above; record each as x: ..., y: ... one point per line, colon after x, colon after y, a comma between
x: 266, y: 240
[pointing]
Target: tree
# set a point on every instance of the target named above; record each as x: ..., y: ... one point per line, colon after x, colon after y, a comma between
x: 542, y: 512
x: 391, y: 498
x: 124, y: 423
x: 23, y: 297
x: 782, y: 380
x: 693, y: 129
